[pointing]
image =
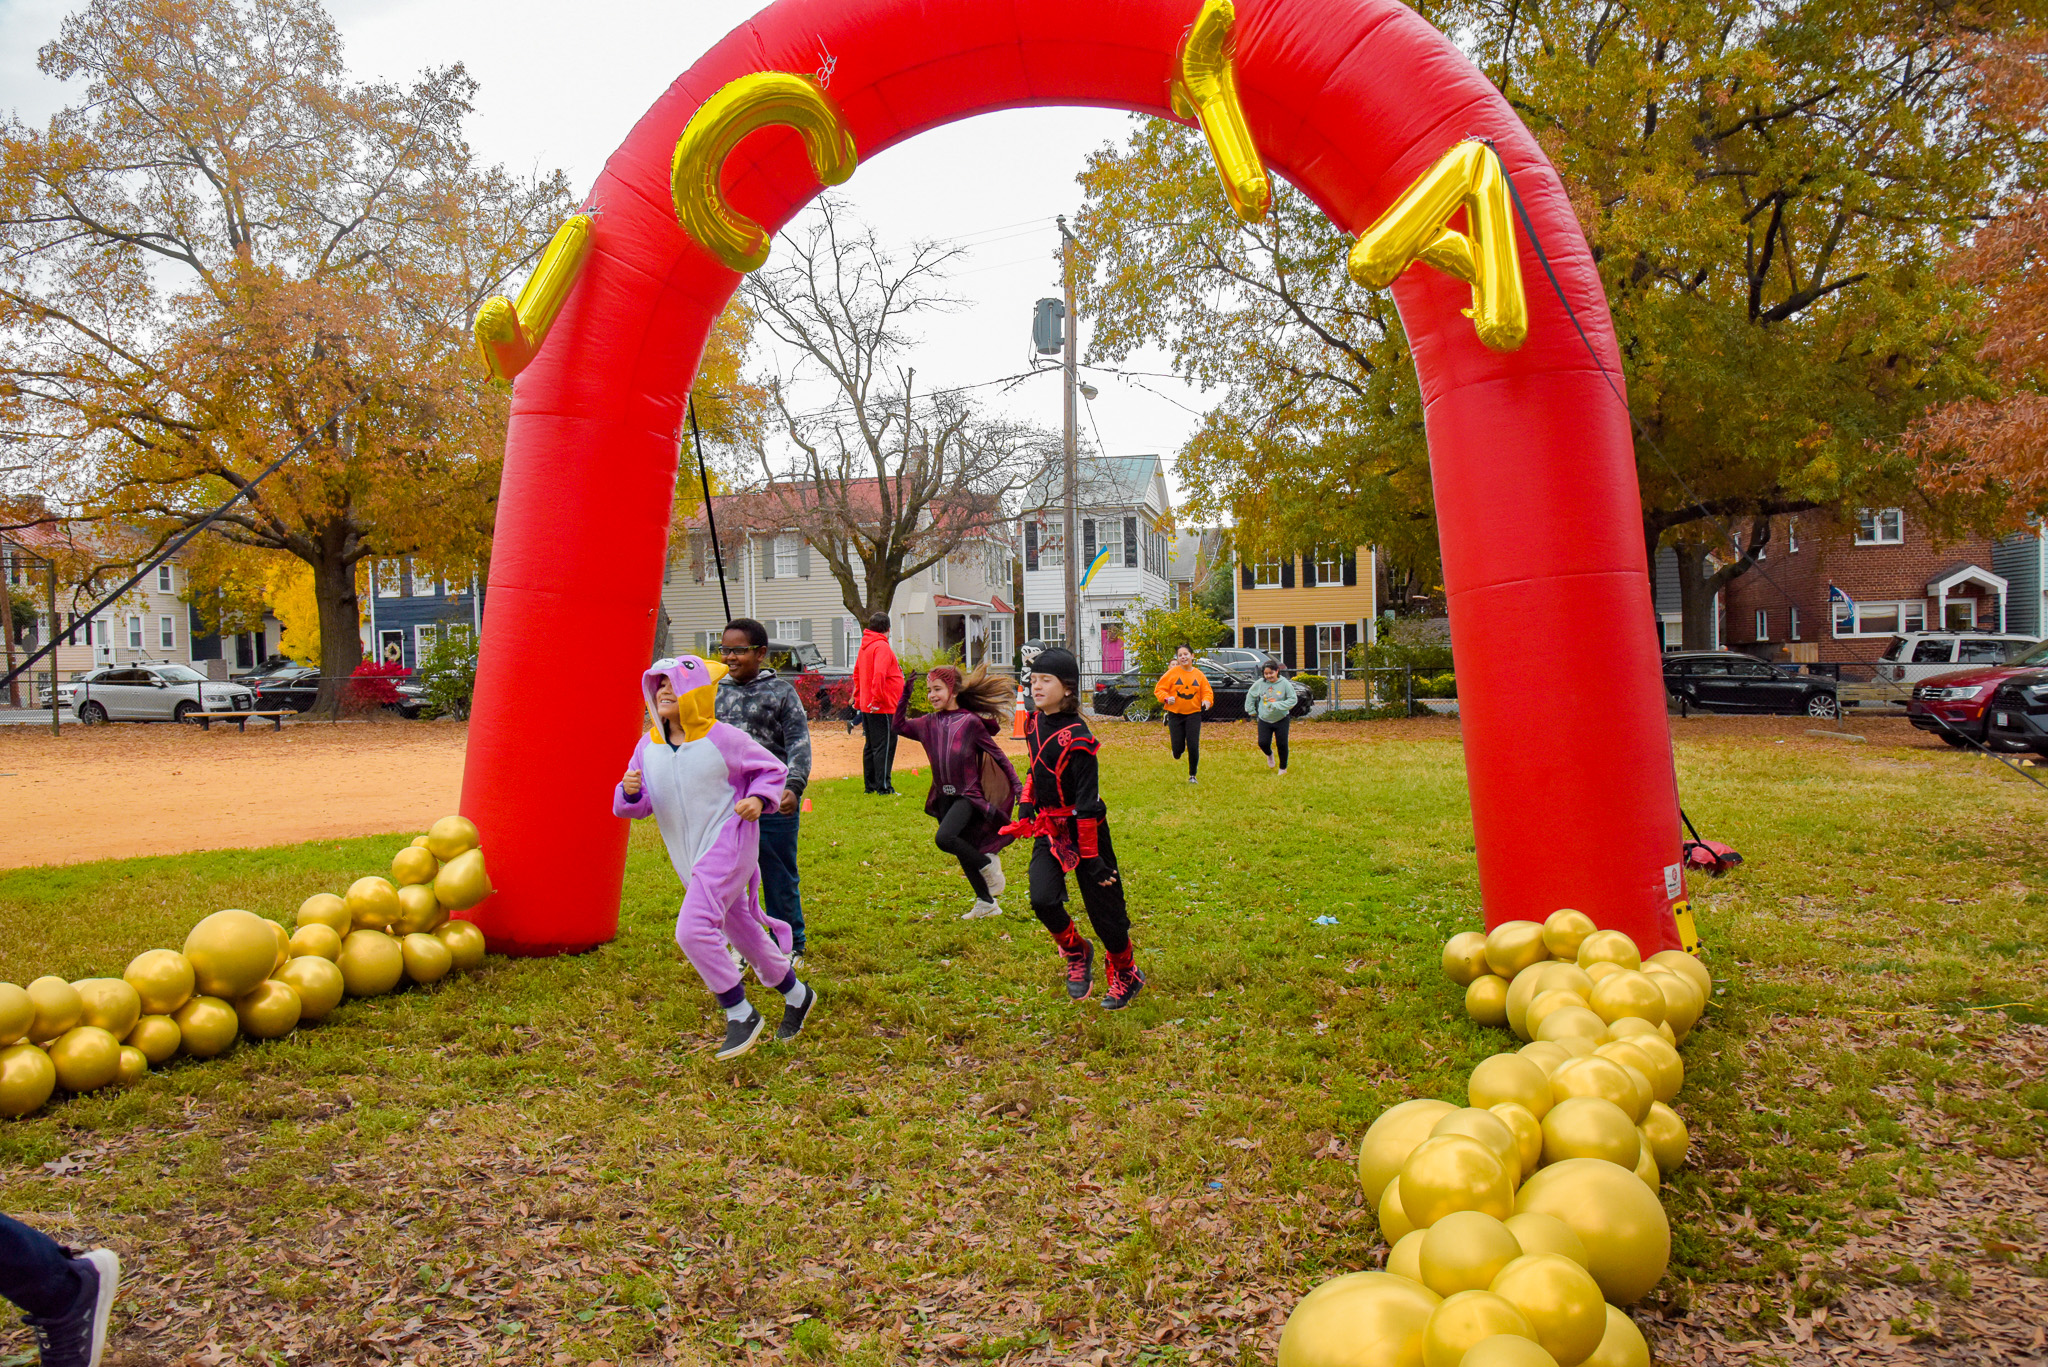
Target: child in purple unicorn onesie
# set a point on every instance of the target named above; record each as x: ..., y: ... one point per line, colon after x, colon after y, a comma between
x: 705, y: 784
x: 973, y: 782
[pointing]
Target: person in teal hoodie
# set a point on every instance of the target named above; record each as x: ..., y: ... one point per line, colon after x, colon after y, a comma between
x: 1272, y: 701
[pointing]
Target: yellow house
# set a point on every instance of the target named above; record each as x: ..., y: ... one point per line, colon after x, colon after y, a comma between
x: 1311, y: 609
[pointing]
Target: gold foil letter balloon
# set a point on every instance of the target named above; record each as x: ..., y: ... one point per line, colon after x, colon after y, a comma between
x: 57, y: 1007
x: 317, y: 939
x: 371, y: 963
x: 451, y: 836
x: 1621, y: 1223
x: 1358, y: 1319
x: 318, y: 983
x: 1513, y: 946
x: 1560, y: 1299
x: 427, y: 960
x: 1510, y: 1077
x: 419, y: 911
x: 1486, y: 1000
x: 1590, y: 1127
x: 86, y: 1058
x: 110, y: 1003
x: 462, y: 882
x: 1391, y: 1139
x: 372, y: 904
x: 1564, y: 931
x: 206, y: 1027
x: 1465, y: 1251
x: 465, y: 942
x: 156, y: 1036
x: 1465, y: 1320
x: 1465, y: 957
x: 17, y: 1013
x: 1453, y: 1172
x: 27, y: 1077
x: 231, y: 951
x: 325, y: 909
x: 163, y: 980
x: 413, y: 865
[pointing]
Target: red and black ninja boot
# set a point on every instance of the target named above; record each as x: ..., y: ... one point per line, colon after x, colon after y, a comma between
x: 1124, y: 980
x: 1080, y: 957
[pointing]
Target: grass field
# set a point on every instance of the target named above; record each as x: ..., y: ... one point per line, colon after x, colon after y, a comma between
x: 540, y: 1162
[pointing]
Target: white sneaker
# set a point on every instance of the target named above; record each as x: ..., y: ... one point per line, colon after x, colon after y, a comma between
x: 1270, y: 761
x: 979, y: 910
x: 1283, y: 773
x: 992, y: 874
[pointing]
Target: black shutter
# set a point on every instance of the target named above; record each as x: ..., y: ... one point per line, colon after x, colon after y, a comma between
x: 1087, y: 544
x: 1350, y: 642
x: 1244, y: 574
x: 1031, y: 627
x: 1031, y: 549
x: 1287, y: 646
x: 1350, y: 569
x: 1130, y: 542
x: 1308, y: 568
x: 1249, y: 637
x: 768, y: 558
x: 1287, y: 573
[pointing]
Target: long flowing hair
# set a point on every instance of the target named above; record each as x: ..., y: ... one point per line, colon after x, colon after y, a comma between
x: 993, y: 696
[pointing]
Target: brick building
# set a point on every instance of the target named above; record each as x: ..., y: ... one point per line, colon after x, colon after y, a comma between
x: 1892, y: 577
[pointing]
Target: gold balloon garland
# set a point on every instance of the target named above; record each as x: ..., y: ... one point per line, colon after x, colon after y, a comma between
x: 1518, y: 1225
x: 243, y: 974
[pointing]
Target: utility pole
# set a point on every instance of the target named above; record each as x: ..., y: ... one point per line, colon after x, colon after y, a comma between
x: 1071, y: 545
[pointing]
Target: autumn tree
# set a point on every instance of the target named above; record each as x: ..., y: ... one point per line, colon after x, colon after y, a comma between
x: 227, y: 247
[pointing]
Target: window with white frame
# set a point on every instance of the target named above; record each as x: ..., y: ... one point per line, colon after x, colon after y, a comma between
x: 167, y: 632
x: 1052, y: 540
x: 1109, y: 536
x: 1792, y: 536
x: 1880, y: 527
x: 1880, y: 619
x: 1266, y: 573
x: 1271, y: 639
x: 135, y: 633
x: 386, y: 574
x: 163, y: 578
x: 1330, y: 565
x: 851, y: 642
x: 999, y: 639
x: 1330, y: 649
x: 422, y: 581
x: 424, y: 637
x: 1052, y: 628
x: 1763, y: 625
x: 1792, y: 624
x: 789, y: 629
x: 1959, y: 614
x: 786, y: 555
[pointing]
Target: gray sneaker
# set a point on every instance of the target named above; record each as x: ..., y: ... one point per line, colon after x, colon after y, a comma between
x: 793, y: 1017
x: 979, y: 910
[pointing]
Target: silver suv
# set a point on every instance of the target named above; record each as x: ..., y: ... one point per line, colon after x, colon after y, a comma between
x: 149, y: 692
x: 1923, y: 654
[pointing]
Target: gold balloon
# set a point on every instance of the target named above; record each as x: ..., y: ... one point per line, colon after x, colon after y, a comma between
x: 1391, y: 1139
x: 1547, y: 1055
x: 465, y: 942
x: 1527, y: 1130
x: 231, y: 951
x: 1628, y: 1052
x: 1562, y: 975
x: 1646, y: 1168
x: 1453, y: 1172
x: 1510, y: 1077
x: 1669, y: 1037
x: 1573, y: 1022
x: 284, y: 943
x: 1560, y: 1299
x: 1590, y: 1127
x: 1360, y: 1318
x: 17, y: 1013
x: 1670, y: 1069
x: 1678, y: 961
x: 207, y: 1027
x: 1465, y: 957
x: 317, y: 939
x: 1548, y: 1000
x: 1595, y: 1076
x: 1625, y: 1026
x: 1489, y: 1129
x: 1627, y: 1238
x: 318, y: 983
x: 1468, y: 1318
x: 1508, y: 1350
x: 1486, y: 1000
x: 1665, y: 1136
x: 27, y: 1077
x: 1564, y: 931
x: 450, y: 837
x: 162, y: 978
x: 1683, y: 1003
x: 268, y: 1011
x: 110, y: 1003
x: 1575, y: 1046
x: 1609, y: 947
x: 57, y: 1007
x: 86, y: 1058
x: 325, y: 909
x: 418, y: 910
x: 134, y: 1066
x: 1394, y: 1222
x: 1513, y: 946
x: 462, y: 882
x: 427, y: 960
x: 1521, y: 991
x: 1404, y: 1259
x: 1598, y: 972
x: 1465, y: 1251
x: 1622, y: 1345
x: 1627, y: 994
x: 1645, y: 1094
x: 371, y: 963
x: 157, y: 1037
x: 413, y: 865
x: 1546, y: 1234
x: 419, y: 842
x: 372, y: 904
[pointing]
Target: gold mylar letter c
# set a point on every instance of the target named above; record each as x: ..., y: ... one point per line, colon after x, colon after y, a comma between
x: 739, y: 108
x: 1469, y: 176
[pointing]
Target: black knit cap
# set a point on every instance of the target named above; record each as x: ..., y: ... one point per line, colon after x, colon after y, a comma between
x: 1061, y: 664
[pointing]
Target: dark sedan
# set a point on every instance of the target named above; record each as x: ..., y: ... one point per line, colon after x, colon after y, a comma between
x: 2018, y: 714
x: 298, y: 689
x: 1722, y: 681
x: 1130, y: 695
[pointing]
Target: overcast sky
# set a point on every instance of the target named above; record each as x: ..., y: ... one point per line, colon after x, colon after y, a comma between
x: 558, y: 94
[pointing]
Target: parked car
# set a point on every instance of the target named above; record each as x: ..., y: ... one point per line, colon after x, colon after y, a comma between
x: 1116, y: 697
x: 1245, y: 661
x: 297, y: 689
x: 1956, y: 705
x: 2019, y: 713
x: 1723, y: 681
x: 270, y: 666
x: 149, y: 692
x: 1922, y: 654
x: 792, y: 659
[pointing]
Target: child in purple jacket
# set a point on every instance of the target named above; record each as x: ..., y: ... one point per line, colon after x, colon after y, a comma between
x: 973, y: 782
x: 705, y: 784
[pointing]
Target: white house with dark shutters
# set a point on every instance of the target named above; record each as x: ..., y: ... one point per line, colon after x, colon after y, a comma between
x: 1122, y: 507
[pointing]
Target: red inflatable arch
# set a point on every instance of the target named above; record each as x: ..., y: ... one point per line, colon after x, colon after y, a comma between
x: 1574, y: 799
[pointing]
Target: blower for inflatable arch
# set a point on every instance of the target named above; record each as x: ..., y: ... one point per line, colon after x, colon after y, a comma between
x: 1361, y: 104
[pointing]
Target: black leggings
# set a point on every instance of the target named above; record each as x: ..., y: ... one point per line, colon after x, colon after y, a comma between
x: 1102, y: 892
x: 1185, y: 730
x: 1275, y: 732
x: 953, y: 840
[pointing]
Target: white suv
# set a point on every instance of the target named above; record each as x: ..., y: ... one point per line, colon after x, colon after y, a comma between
x: 1923, y: 654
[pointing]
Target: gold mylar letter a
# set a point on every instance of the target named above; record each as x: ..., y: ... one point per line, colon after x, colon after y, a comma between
x: 1467, y: 177
x: 740, y: 107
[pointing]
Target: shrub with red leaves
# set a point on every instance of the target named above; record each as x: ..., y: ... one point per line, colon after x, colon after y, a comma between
x: 374, y: 684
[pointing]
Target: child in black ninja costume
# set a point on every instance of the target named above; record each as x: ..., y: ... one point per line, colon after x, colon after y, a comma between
x: 1063, y: 809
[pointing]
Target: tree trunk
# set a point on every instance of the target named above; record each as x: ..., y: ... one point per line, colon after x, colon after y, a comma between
x: 341, y: 636
x: 1695, y: 595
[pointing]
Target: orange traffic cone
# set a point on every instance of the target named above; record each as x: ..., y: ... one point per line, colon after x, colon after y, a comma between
x: 1017, y: 722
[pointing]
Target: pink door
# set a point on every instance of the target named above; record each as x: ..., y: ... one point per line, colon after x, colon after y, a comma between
x: 1112, y: 652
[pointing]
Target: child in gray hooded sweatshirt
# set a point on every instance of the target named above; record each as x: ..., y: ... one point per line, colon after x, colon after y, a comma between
x: 1272, y: 701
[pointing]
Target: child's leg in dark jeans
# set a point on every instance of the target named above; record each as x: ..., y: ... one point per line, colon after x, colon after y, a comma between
x: 35, y: 1272
x: 953, y: 841
x: 781, y: 888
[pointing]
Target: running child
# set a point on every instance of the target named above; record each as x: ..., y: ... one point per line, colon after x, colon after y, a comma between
x: 1272, y: 700
x: 1185, y: 691
x: 1063, y: 809
x: 706, y: 783
x: 973, y: 784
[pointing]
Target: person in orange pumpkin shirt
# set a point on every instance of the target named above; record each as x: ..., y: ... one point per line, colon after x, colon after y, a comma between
x: 1185, y: 692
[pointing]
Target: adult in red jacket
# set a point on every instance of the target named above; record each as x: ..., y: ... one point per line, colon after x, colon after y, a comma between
x: 877, y: 687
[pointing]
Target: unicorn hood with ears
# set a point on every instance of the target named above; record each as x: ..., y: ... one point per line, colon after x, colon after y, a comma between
x: 695, y: 684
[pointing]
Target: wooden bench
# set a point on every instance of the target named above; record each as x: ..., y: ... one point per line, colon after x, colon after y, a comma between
x: 240, y: 719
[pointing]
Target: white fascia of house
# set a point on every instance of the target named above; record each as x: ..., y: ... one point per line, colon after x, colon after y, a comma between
x: 1119, y: 495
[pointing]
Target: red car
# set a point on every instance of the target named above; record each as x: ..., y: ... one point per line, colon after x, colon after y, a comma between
x: 1954, y: 705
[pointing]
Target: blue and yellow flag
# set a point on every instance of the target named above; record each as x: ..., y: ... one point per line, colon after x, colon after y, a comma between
x: 1101, y: 559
